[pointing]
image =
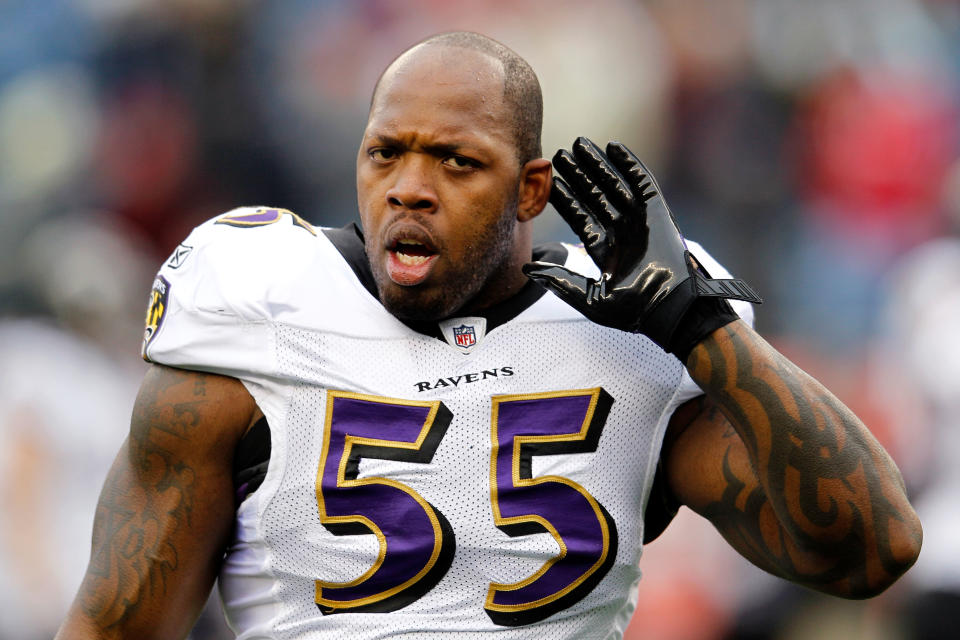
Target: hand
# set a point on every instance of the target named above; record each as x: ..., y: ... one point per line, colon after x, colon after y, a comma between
x: 649, y: 281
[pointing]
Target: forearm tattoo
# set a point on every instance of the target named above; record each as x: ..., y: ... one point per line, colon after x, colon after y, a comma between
x: 145, y: 499
x: 825, y: 503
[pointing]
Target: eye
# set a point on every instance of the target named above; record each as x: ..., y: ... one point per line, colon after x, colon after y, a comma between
x: 382, y: 154
x: 461, y: 163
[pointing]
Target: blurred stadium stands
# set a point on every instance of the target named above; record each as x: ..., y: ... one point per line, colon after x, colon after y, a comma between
x: 812, y: 146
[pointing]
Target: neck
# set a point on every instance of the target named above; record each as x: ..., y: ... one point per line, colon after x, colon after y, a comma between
x: 506, y: 281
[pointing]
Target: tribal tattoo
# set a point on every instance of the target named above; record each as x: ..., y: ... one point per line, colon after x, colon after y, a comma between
x: 814, y: 498
x: 149, y: 494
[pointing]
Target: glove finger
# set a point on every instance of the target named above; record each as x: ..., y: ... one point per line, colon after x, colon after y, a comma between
x: 665, y: 240
x: 580, y: 219
x: 601, y: 171
x: 588, y: 193
x: 569, y: 286
x: 641, y: 182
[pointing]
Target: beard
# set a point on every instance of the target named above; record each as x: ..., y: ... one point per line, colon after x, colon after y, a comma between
x: 486, y: 258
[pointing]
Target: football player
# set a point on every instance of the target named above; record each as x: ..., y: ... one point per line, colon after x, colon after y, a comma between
x: 425, y: 426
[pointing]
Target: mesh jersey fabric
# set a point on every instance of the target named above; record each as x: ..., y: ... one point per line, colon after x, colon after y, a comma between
x: 276, y: 306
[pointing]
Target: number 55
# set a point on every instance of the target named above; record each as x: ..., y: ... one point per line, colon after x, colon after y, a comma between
x: 416, y: 541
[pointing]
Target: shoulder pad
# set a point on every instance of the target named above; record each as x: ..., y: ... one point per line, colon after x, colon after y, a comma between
x: 228, y: 263
x: 217, y: 284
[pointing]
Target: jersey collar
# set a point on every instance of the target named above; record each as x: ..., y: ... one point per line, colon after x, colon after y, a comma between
x: 349, y: 242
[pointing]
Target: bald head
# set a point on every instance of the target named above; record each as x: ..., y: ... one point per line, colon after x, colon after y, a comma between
x: 521, y: 96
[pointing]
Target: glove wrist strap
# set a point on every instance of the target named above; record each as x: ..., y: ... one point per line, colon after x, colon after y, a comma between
x: 703, y: 317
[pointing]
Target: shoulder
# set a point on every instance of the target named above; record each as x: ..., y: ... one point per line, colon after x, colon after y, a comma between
x: 579, y: 260
x: 234, y: 260
x: 230, y: 277
x: 549, y: 307
x: 251, y: 239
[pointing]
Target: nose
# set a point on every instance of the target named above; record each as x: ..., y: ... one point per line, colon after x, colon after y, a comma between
x: 413, y: 188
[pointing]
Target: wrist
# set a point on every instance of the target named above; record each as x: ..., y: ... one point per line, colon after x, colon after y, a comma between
x: 702, y: 318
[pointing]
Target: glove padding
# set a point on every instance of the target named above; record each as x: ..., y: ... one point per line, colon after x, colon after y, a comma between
x: 649, y: 283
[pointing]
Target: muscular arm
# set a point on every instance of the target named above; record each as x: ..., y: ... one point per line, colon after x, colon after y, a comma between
x: 783, y: 469
x: 787, y: 474
x: 165, y: 511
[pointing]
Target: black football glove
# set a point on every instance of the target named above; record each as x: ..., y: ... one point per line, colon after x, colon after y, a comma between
x: 650, y: 283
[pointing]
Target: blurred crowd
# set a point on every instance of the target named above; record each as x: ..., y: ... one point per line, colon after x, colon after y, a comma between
x: 812, y: 146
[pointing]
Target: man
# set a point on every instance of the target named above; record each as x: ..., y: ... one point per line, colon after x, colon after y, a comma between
x: 425, y: 442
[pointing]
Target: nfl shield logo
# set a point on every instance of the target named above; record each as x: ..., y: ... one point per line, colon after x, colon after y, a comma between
x: 465, y: 336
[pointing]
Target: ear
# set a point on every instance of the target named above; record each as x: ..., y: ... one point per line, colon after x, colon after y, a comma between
x: 535, y: 184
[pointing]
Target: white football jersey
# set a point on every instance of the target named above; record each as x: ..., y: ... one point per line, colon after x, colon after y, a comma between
x: 491, y: 477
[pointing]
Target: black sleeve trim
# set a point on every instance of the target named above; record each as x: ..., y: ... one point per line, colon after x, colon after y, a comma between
x: 662, y: 506
x: 251, y: 460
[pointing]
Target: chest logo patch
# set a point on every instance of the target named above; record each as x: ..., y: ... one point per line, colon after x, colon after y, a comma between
x: 464, y: 333
x: 464, y: 336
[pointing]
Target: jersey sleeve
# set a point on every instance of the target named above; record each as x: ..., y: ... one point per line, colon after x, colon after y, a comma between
x: 210, y: 308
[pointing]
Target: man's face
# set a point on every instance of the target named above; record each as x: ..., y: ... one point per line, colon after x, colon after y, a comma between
x: 437, y: 184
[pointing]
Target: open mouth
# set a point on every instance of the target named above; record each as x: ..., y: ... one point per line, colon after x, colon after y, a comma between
x: 410, y: 261
x: 412, y: 252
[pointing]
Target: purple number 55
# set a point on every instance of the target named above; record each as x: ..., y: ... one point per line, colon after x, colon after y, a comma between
x: 416, y: 543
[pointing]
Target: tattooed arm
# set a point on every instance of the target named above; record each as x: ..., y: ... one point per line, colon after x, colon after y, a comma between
x: 782, y: 468
x: 787, y: 474
x: 166, y: 510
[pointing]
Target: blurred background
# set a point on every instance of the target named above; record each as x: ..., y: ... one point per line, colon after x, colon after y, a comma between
x: 811, y: 146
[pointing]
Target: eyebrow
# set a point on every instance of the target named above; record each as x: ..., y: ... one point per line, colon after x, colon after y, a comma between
x: 441, y: 149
